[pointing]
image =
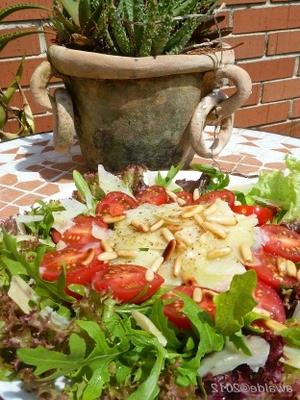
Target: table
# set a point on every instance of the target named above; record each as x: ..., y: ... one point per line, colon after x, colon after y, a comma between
x: 30, y: 169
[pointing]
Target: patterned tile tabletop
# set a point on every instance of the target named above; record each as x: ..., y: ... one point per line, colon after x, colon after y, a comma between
x: 30, y: 169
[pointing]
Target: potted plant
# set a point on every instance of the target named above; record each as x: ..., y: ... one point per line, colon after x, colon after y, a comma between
x: 134, y: 80
x: 23, y: 116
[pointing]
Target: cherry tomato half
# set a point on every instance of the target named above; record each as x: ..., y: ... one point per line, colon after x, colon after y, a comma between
x: 115, y: 203
x: 173, y: 310
x: 281, y: 241
x: 153, y: 195
x: 263, y: 214
x: 270, y: 301
x: 211, y: 197
x: 186, y: 196
x: 81, y: 232
x: 71, y: 258
x: 266, y: 267
x: 126, y: 282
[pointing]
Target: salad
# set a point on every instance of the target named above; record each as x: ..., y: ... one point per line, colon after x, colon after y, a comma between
x: 174, y: 290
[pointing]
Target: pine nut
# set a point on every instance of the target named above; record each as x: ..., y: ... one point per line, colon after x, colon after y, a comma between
x: 169, y: 250
x: 182, y: 238
x: 210, y: 210
x: 172, y: 195
x: 227, y: 221
x: 89, y: 258
x: 246, y: 253
x: 172, y: 220
x: 127, y: 253
x: 191, y: 213
x: 157, y: 225
x: 177, y: 266
x: 180, y: 201
x: 281, y: 263
x: 217, y: 230
x: 196, y: 194
x: 140, y: 227
x: 157, y: 263
x: 199, y: 220
x: 149, y: 275
x: 197, y: 295
x: 180, y: 245
x: 107, y: 256
x: 291, y: 269
x: 217, y: 253
x: 106, y: 245
x: 111, y: 220
x: 167, y: 234
x: 174, y: 228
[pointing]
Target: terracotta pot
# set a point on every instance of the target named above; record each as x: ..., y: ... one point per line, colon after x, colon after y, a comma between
x: 139, y: 110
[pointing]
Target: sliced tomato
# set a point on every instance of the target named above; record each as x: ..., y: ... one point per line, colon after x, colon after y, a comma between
x: 55, y: 235
x: 81, y: 232
x: 71, y: 258
x: 127, y: 283
x: 263, y: 214
x: 186, y: 196
x: 115, y: 203
x: 153, y: 194
x: 270, y: 301
x: 211, y: 197
x: 266, y: 267
x: 83, y: 275
x: 173, y: 310
x: 282, y: 242
x: 89, y: 220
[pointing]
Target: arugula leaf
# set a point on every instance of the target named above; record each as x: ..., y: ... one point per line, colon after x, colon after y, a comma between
x: 243, y: 198
x: 281, y: 189
x: 57, y: 364
x: 161, y: 322
x: 251, y: 317
x: 85, y: 191
x: 165, y: 182
x: 96, y: 383
x: 218, y: 180
x: 291, y: 336
x: 42, y: 228
x: 238, y: 340
x: 210, y: 340
x: 233, y: 305
x: 149, y: 389
x: 15, y: 263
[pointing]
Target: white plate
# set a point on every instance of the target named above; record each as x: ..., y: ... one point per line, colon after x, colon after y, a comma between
x: 12, y: 390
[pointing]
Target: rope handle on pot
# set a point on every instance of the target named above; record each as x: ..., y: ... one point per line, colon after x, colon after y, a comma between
x: 218, y: 108
x: 60, y: 104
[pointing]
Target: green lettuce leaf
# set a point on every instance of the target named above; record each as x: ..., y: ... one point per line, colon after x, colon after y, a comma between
x: 167, y: 181
x: 291, y: 336
x: 281, y: 189
x: 232, y: 306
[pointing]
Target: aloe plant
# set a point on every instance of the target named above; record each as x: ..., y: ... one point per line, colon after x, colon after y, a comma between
x: 5, y: 12
x: 23, y: 115
x: 132, y: 27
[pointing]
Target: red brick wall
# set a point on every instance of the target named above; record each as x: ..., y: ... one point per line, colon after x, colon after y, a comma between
x: 268, y: 29
x: 270, y: 33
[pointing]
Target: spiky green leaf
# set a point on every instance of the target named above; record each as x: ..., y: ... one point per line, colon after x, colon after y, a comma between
x: 5, y: 12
